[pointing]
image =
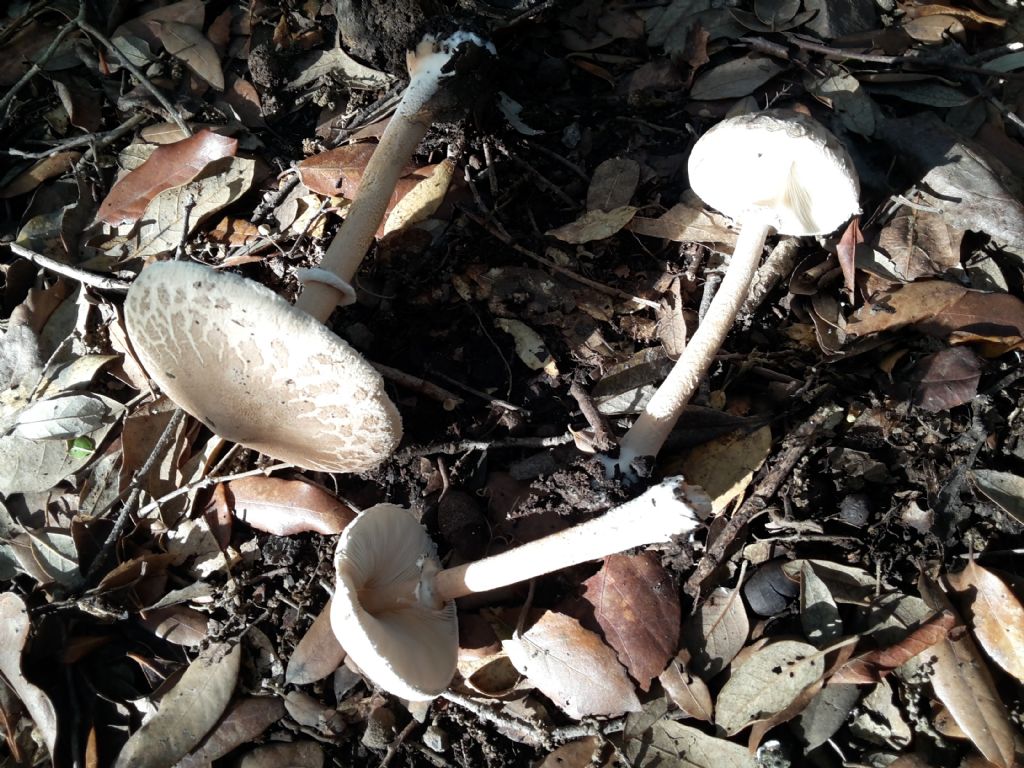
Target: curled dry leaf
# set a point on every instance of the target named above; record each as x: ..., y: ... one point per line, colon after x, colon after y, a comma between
x: 961, y: 680
x: 768, y: 683
x: 187, y: 712
x: 318, y: 653
x: 243, y: 722
x: 688, y: 692
x: 637, y: 607
x: 717, y: 632
x: 170, y: 165
x: 995, y: 614
x: 177, y: 624
x: 285, y: 507
x: 14, y: 631
x: 573, y: 667
x: 872, y: 666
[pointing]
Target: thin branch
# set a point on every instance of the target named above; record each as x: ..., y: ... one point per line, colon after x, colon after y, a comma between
x: 91, y: 279
x: 462, y: 446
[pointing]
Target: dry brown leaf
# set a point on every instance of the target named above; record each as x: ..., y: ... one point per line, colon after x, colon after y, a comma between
x: 575, y: 754
x: 191, y: 46
x: 422, y: 201
x: 768, y: 683
x: 668, y: 744
x: 336, y: 172
x: 686, y: 223
x: 1004, y: 489
x: 961, y: 680
x: 317, y: 654
x: 946, y: 379
x: 904, y: 305
x: 936, y: 28
x: 14, y: 631
x: 968, y: 14
x: 872, y: 666
x: 573, y: 667
x: 979, y: 316
x: 285, y: 507
x: 170, y: 165
x: 717, y: 632
x: 47, y: 168
x: 920, y: 243
x: 996, y: 616
x: 724, y: 467
x: 637, y: 607
x: 846, y: 250
x: 594, y: 225
x: 243, y: 722
x: 613, y: 184
x: 688, y: 692
x: 187, y: 712
x: 177, y: 624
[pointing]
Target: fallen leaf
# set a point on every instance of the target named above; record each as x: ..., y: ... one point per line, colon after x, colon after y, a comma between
x: 637, y: 607
x: 177, y: 624
x: 685, y: 223
x: 191, y: 46
x: 170, y: 165
x: 575, y: 754
x: 594, y: 225
x: 879, y: 721
x: 245, y: 720
x: 317, y: 654
x: 825, y: 713
x: 725, y: 466
x: 716, y: 632
x: 187, y: 712
x: 736, y: 78
x: 819, y: 614
x: 530, y: 347
x: 874, y: 665
x: 767, y: 683
x: 299, y: 754
x: 336, y: 172
x: 40, y: 171
x: 920, y: 243
x: 668, y: 743
x: 688, y: 692
x: 167, y: 217
x: 286, y: 507
x: 946, y: 379
x: 14, y: 632
x: 903, y: 305
x: 996, y: 616
x: 422, y: 201
x: 980, y: 316
x: 61, y: 418
x: 961, y: 680
x: 846, y: 250
x: 846, y: 583
x: 573, y: 667
x: 613, y: 184
x: 1004, y: 489
x: 672, y: 322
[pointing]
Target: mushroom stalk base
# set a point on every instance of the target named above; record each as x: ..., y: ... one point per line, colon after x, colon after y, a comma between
x: 663, y: 511
x: 651, y: 429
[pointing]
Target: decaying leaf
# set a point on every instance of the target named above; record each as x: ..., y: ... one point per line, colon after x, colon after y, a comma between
x: 285, y: 507
x: 47, y: 168
x: 668, y: 743
x: 336, y: 172
x: 170, y: 165
x: 1002, y: 488
x: 637, y: 607
x: 688, y: 692
x: 422, y: 201
x: 686, y: 223
x: 317, y: 654
x: 946, y: 379
x: 736, y: 78
x: 826, y: 713
x: 874, y: 665
x: 299, y: 754
x: 530, y: 346
x: 573, y: 667
x: 767, y: 683
x: 996, y: 615
x: 189, y: 44
x: 242, y: 723
x: 14, y: 631
x: 717, y: 632
x: 575, y: 754
x: 724, y: 467
x: 819, y: 614
x: 962, y: 682
x: 920, y: 243
x: 61, y: 418
x: 187, y: 712
x: 594, y: 225
x: 613, y: 184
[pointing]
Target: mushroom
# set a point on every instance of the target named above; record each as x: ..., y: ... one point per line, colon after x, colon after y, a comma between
x: 392, y: 607
x: 430, y: 64
x: 775, y: 170
x: 257, y: 370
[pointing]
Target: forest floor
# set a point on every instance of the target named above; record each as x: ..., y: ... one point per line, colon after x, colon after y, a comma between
x: 853, y: 598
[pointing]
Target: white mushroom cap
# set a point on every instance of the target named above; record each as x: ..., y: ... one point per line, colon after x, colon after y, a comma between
x: 258, y: 371
x: 410, y: 650
x: 777, y: 167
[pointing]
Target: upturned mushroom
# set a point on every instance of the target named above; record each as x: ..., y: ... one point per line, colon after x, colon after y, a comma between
x: 392, y: 607
x: 778, y: 171
x: 257, y: 370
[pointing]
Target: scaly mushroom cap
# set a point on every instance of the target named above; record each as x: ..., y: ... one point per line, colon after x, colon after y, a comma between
x: 779, y: 167
x: 409, y: 651
x: 257, y: 371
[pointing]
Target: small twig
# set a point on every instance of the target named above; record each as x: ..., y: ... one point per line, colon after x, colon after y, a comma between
x: 137, y: 73
x: 534, y: 732
x: 600, y: 287
x: 603, y: 438
x: 74, y: 273
x: 464, y: 446
x: 796, y: 445
x: 128, y: 508
x: 397, y: 742
x: 448, y: 399
x: 95, y: 140
x: 482, y: 395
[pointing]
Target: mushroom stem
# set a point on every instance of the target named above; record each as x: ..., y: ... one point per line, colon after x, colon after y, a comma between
x: 663, y: 410
x: 405, y: 130
x: 663, y: 511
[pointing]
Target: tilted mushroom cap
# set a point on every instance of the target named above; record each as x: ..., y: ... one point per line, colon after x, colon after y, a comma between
x: 410, y: 651
x: 257, y: 371
x: 779, y: 166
